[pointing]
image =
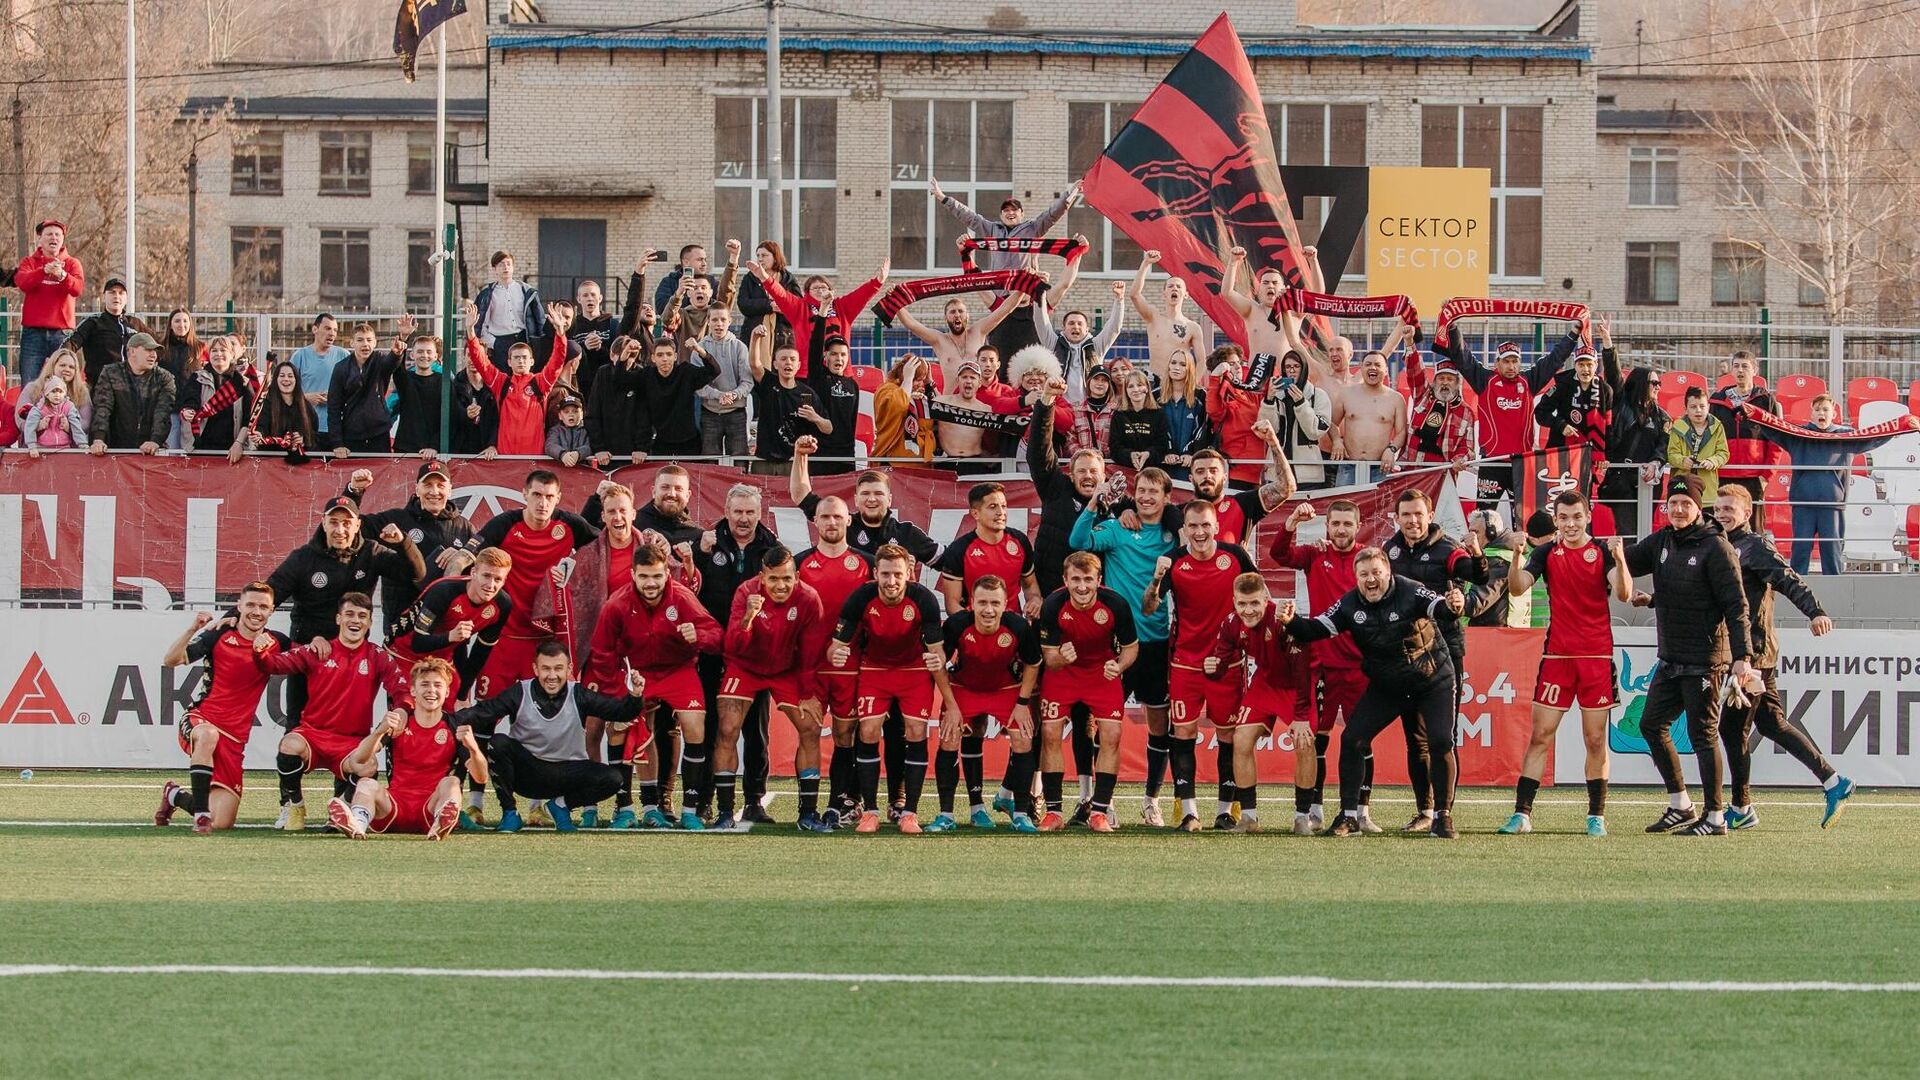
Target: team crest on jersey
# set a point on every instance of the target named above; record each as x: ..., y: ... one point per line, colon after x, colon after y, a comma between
x: 558, y: 531
x: 363, y: 665
x: 1005, y: 639
x: 1100, y: 616
x: 1664, y: 552
x: 862, y: 537
x: 1222, y: 561
x: 851, y: 562
x: 1592, y: 555
x: 906, y: 613
x: 440, y: 736
x: 487, y: 612
x: 673, y: 613
x: 1393, y: 550
x: 793, y: 614
x: 1693, y: 560
x: 1359, y: 618
x: 720, y: 558
x: 415, y: 535
x: 1013, y: 547
x: 318, y: 580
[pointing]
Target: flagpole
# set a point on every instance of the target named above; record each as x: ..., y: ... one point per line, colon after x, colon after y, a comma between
x: 132, y: 279
x: 440, y: 166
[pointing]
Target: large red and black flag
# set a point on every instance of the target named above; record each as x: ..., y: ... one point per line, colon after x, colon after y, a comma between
x: 1194, y: 175
x: 1539, y: 475
x: 417, y: 19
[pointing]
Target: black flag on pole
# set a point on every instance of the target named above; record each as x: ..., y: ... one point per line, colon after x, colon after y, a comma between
x: 417, y: 19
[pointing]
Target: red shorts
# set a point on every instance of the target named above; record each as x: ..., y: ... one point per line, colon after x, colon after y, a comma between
x: 978, y: 707
x: 1566, y: 679
x: 678, y: 689
x: 330, y: 749
x: 412, y: 813
x: 1063, y: 688
x: 510, y: 661
x: 1197, y: 696
x: 838, y: 689
x: 912, y: 688
x: 1339, y: 691
x: 783, y: 689
x: 1263, y: 707
x: 229, y: 757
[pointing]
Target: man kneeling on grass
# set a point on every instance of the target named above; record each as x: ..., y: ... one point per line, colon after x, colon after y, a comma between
x: 425, y: 756
x: 543, y: 753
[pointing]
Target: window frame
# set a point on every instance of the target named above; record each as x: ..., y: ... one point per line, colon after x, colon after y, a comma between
x: 1742, y: 185
x: 1656, y: 249
x: 1498, y: 190
x: 343, y: 298
x: 416, y: 142
x: 248, y: 149
x: 753, y: 181
x: 1653, y: 157
x: 418, y: 239
x: 256, y: 291
x: 1746, y: 265
x: 966, y: 190
x: 347, y: 183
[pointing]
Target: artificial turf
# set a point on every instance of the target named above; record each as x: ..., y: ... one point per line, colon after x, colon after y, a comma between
x: 1784, y: 902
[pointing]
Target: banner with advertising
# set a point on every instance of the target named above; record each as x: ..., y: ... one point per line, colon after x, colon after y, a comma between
x: 1428, y: 233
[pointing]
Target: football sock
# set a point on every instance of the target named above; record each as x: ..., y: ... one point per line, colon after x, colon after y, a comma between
x: 723, y: 784
x: 693, y: 776
x: 1249, y: 797
x: 1523, y: 794
x: 915, y: 759
x: 1158, y: 747
x: 1103, y: 792
x: 342, y: 789
x: 1223, y: 763
x: 1024, y: 794
x: 650, y: 793
x: 809, y: 780
x: 1366, y: 780
x: 946, y: 777
x: 476, y: 794
x: 200, y: 781
x: 1189, y: 808
x: 1083, y: 757
x: 1019, y: 779
x: 183, y: 799
x: 974, y: 768
x: 1421, y: 778
x: 291, y: 770
x: 1678, y: 800
x: 895, y: 745
x: 1321, y: 740
x: 623, y: 798
x: 1444, y: 775
x: 1827, y: 783
x: 361, y: 814
x: 1086, y: 787
x: 1050, y: 783
x: 1302, y: 800
x: 1180, y: 762
x: 840, y: 778
x: 1597, y: 798
x: 867, y: 767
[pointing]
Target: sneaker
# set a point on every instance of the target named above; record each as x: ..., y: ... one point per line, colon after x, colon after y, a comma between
x: 340, y: 815
x: 1701, y: 827
x: 590, y: 818
x: 1150, y: 815
x: 894, y: 810
x: 1317, y: 818
x: 651, y: 818
x: 811, y: 823
x: 981, y: 820
x: 293, y: 817
x: 164, y: 816
x: 1099, y: 821
x: 203, y: 824
x: 1223, y: 822
x: 1442, y: 828
x: 756, y: 814
x: 1003, y: 804
x: 477, y: 815
x: 1190, y: 823
x: 1422, y: 822
x: 509, y: 822
x: 562, y: 816
x: 1302, y: 824
x: 942, y: 823
x: 869, y: 823
x: 1248, y: 823
x: 725, y: 823
x: 1344, y: 825
x: 1596, y: 825
x: 536, y: 815
x: 831, y: 819
x: 690, y: 821
x: 1673, y: 819
x: 1082, y: 813
x: 909, y: 823
x: 1368, y: 825
x: 1738, y: 819
x: 625, y: 818
x: 1021, y: 823
x: 444, y: 821
x: 1837, y: 797
x: 469, y: 822
x: 1052, y: 821
x: 1517, y: 825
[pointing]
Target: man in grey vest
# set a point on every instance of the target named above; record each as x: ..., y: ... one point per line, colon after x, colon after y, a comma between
x: 543, y: 752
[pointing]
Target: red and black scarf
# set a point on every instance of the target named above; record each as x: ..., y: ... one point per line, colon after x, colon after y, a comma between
x: 898, y: 297
x: 1065, y: 247
x: 1302, y: 302
x: 1461, y: 307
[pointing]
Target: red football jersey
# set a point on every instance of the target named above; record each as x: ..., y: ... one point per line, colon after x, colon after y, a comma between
x: 969, y: 558
x: 646, y: 637
x: 1238, y: 512
x: 1098, y: 631
x: 231, y: 686
x: 442, y: 606
x: 835, y: 577
x: 1329, y: 577
x: 1581, y: 623
x: 984, y: 661
x: 785, y: 638
x: 420, y: 757
x: 535, y: 552
x: 890, y: 636
x: 1265, y: 645
x: 1202, y: 591
x: 341, y: 688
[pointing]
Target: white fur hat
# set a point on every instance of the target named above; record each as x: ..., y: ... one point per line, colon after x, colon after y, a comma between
x: 1032, y: 358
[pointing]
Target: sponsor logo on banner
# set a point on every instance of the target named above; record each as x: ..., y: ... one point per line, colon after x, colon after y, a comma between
x: 34, y: 698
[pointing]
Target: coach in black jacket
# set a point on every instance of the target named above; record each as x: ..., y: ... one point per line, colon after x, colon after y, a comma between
x: 1063, y: 492
x: 429, y: 521
x: 1702, y: 623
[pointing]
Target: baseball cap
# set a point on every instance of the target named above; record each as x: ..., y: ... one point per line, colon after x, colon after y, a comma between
x: 969, y: 363
x: 1507, y: 348
x: 1015, y: 203
x: 55, y: 222
x: 571, y: 402
x: 341, y: 502
x: 1099, y: 371
x: 142, y: 341
x: 114, y: 283
x: 1584, y: 353
x: 432, y: 467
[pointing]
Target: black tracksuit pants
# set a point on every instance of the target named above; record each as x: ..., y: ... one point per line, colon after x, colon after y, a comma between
x: 1430, y: 703
x: 1767, y: 715
x: 517, y: 772
x: 1695, y: 692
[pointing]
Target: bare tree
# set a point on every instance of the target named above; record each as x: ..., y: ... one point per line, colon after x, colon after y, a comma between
x: 237, y: 28
x: 1821, y: 127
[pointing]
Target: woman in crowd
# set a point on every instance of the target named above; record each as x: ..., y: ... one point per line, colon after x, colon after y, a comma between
x: 1636, y: 448
x: 901, y: 429
x: 72, y: 370
x: 283, y: 417
x: 217, y: 399
x: 1302, y: 415
x: 182, y: 354
x: 1138, y: 436
x: 753, y: 302
x: 1183, y: 399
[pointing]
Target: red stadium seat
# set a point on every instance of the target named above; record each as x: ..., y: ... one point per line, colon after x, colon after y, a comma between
x: 1797, y: 410
x: 1861, y: 391
x: 1913, y: 398
x: 1726, y: 380
x: 1799, y: 388
x: 939, y: 378
x: 1673, y: 389
x: 867, y: 376
x: 1779, y: 512
x: 863, y: 431
x: 1913, y: 533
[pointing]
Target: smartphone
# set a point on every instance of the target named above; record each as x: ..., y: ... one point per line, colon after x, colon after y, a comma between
x: 658, y: 256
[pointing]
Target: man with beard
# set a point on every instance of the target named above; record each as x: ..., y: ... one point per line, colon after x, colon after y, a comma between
x: 1369, y: 421
x: 835, y: 570
x: 429, y: 520
x: 1064, y: 493
x: 1017, y: 332
x: 728, y: 556
x: 1242, y: 510
x: 874, y: 523
x: 962, y: 338
x: 1075, y: 345
x: 1441, y: 429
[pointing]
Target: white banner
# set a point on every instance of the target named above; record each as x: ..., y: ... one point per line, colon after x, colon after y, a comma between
x: 1855, y: 693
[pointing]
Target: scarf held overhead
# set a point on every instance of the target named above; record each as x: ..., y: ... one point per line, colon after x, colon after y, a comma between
x: 1064, y: 247
x: 1302, y: 302
x: 898, y: 297
x: 1461, y: 307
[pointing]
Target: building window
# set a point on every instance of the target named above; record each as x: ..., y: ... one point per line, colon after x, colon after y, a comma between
x: 1091, y: 125
x: 1653, y: 176
x: 257, y: 161
x: 1811, y: 294
x: 346, y: 280
x: 1653, y: 273
x: 420, y: 163
x: 1307, y: 134
x: 257, y: 260
x: 1742, y: 184
x: 809, y: 155
x: 968, y: 147
x: 1739, y: 276
x: 1506, y: 141
x: 346, y: 163
x: 419, y: 268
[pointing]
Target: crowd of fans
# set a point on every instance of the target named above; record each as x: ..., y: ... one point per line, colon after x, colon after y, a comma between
x: 742, y: 360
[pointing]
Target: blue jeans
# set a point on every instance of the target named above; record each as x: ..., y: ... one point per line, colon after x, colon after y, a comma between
x: 1825, y: 522
x: 36, y: 344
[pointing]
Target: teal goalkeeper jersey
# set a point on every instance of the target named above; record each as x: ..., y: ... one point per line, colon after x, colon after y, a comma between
x: 1127, y: 557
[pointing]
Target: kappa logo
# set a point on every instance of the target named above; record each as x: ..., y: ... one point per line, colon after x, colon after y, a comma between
x: 34, y: 698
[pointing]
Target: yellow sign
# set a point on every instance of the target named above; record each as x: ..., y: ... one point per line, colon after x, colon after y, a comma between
x: 1428, y: 234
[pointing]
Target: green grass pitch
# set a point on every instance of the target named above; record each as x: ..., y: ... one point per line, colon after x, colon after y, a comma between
x: 1785, y: 902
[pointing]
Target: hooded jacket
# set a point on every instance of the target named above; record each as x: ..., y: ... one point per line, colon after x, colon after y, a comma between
x: 1762, y: 573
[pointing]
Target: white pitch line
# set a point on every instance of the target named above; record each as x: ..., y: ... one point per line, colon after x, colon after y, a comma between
x: 1314, y: 982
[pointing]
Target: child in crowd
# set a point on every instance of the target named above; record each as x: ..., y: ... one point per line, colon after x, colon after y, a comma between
x: 53, y: 422
x: 1697, y: 443
x: 567, y: 439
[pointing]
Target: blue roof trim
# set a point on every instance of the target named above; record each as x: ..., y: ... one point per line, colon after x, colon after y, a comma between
x: 1065, y: 47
